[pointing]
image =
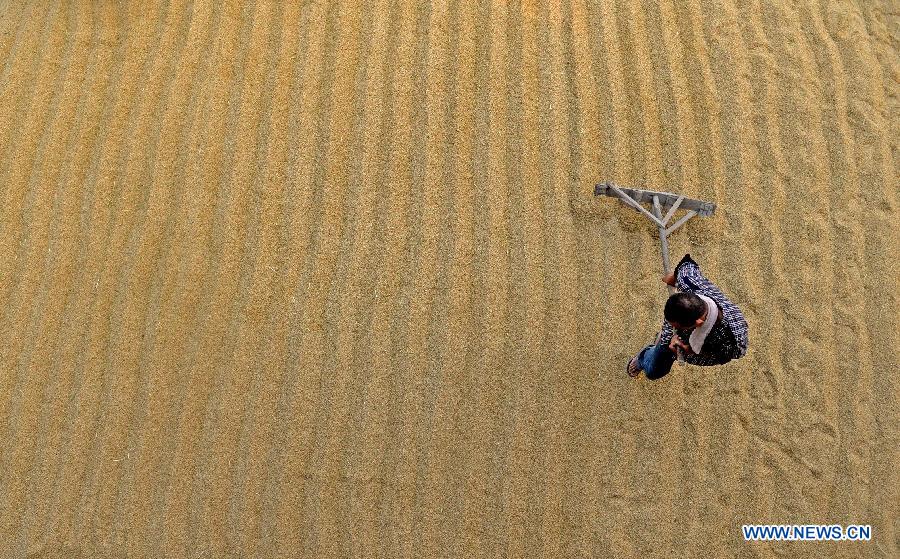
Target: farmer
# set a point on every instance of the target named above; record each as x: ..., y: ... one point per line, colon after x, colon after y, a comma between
x: 708, y: 328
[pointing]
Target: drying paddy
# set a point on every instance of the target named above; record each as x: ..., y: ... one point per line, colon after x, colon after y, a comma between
x: 325, y: 279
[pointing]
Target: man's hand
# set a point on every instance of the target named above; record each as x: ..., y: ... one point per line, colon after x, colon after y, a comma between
x: 669, y: 278
x: 677, y: 342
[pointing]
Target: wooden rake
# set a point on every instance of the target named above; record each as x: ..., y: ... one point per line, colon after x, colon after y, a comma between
x: 659, y: 201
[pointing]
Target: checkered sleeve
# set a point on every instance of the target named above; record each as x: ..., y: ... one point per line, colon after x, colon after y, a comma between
x: 666, y: 333
x: 689, y: 278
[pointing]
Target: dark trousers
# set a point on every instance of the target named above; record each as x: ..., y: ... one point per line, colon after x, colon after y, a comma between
x: 656, y: 360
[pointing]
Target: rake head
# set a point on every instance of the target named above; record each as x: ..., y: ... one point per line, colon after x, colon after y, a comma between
x: 666, y: 199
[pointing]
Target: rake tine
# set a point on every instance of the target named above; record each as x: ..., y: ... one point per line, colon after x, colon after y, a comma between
x: 628, y: 200
x: 671, y: 211
x: 681, y: 222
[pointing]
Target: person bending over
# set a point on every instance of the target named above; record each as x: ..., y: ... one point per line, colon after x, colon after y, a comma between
x: 700, y: 322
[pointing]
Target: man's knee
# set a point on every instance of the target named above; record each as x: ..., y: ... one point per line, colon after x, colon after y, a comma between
x: 659, y: 363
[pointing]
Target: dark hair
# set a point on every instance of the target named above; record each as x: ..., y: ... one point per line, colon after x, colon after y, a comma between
x: 684, y: 308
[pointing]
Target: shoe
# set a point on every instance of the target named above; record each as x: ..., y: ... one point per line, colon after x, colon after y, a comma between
x: 632, y: 368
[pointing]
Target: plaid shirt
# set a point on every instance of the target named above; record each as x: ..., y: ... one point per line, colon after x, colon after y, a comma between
x: 726, y: 340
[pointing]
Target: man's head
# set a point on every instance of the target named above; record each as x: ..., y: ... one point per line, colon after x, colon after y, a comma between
x: 685, y: 311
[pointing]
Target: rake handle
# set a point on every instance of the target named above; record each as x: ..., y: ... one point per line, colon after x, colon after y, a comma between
x: 664, y: 246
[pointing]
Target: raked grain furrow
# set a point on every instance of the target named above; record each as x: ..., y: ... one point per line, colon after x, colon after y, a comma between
x: 386, y: 160
x: 259, y: 275
x: 35, y: 255
x: 297, y: 35
x: 61, y: 411
x: 19, y: 73
x: 589, y: 146
x: 438, y: 472
x: 814, y: 425
x: 616, y: 404
x: 767, y: 268
x: 351, y: 292
x: 13, y: 28
x: 517, y: 429
x: 25, y: 130
x: 107, y: 384
x: 787, y: 466
x: 872, y: 75
x: 844, y: 209
x: 211, y: 341
x: 560, y: 342
x: 160, y: 346
x: 648, y: 73
x: 109, y: 109
x: 874, y: 72
x: 282, y: 493
x: 402, y: 464
x: 476, y: 380
x: 246, y: 267
x: 492, y: 198
x: 324, y: 505
x: 394, y: 263
x: 44, y: 322
x: 422, y: 365
x: 27, y: 211
x: 437, y: 476
x: 271, y: 287
x: 166, y: 341
x: 134, y: 312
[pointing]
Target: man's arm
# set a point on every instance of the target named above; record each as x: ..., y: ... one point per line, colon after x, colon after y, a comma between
x: 691, y: 279
x: 666, y: 333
